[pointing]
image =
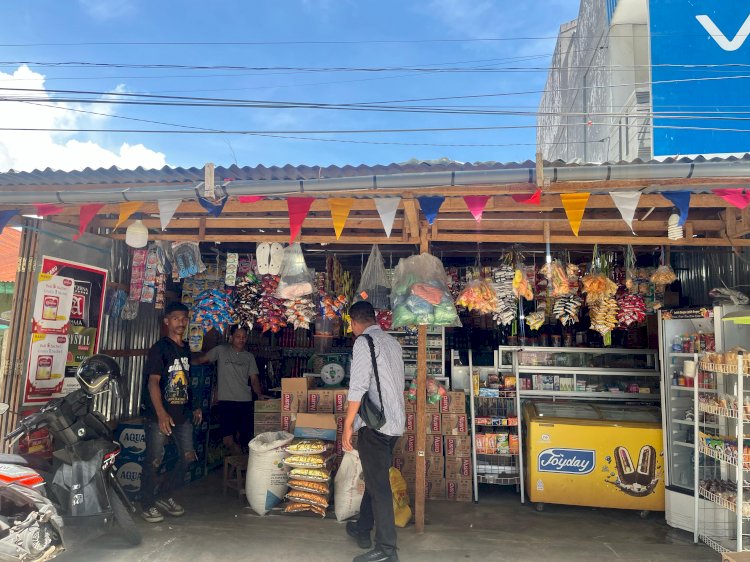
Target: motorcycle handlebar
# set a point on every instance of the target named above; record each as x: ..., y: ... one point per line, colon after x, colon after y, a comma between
x: 13, y: 435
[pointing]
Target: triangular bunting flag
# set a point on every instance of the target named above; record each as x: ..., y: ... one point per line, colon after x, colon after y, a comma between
x: 298, y: 209
x: 430, y: 206
x: 575, y: 205
x: 681, y: 200
x: 167, y: 209
x: 126, y: 210
x: 533, y: 199
x: 5, y: 217
x: 213, y: 209
x: 626, y: 202
x: 86, y: 214
x: 339, y: 213
x: 251, y: 198
x: 740, y: 198
x: 476, y: 205
x: 47, y: 209
x: 387, y: 208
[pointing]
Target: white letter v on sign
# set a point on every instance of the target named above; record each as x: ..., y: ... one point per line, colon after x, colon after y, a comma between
x: 720, y: 38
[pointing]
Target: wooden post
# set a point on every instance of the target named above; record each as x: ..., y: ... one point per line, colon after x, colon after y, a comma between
x: 421, y: 411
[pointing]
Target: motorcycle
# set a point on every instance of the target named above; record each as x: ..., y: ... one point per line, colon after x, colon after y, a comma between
x: 46, y: 507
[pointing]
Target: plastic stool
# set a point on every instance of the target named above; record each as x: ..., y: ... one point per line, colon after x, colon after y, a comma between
x: 235, y: 469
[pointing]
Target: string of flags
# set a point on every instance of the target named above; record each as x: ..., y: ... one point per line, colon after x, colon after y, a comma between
x: 298, y: 208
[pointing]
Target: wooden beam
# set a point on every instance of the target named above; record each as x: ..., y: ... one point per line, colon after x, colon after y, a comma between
x: 589, y: 240
x: 419, y: 501
x: 284, y: 238
x: 412, y: 217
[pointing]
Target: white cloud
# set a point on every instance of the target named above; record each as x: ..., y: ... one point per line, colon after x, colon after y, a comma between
x: 25, y: 151
x: 104, y: 10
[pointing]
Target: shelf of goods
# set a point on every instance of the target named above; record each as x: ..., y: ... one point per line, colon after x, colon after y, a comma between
x: 722, y: 452
x: 496, y: 439
x: 584, y: 373
x: 435, y: 353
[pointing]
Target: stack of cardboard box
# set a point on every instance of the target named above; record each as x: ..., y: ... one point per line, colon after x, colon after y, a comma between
x: 448, y: 470
x: 266, y: 416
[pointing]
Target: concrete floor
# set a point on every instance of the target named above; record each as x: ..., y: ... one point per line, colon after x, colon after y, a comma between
x: 496, y: 529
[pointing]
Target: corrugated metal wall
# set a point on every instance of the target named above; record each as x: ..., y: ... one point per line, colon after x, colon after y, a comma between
x: 700, y: 271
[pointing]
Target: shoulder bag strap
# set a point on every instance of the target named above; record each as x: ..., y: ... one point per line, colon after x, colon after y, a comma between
x: 370, y: 342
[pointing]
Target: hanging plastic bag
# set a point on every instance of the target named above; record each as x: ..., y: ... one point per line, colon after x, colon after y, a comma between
x: 296, y: 279
x: 187, y: 257
x: 420, y: 293
x: 374, y: 286
x: 400, y: 492
x: 349, y: 486
x: 478, y: 295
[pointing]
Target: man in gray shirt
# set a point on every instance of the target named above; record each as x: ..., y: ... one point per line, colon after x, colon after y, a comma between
x: 236, y: 371
x: 375, y: 447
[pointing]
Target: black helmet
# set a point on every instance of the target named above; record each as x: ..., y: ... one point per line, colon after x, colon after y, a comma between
x: 95, y: 372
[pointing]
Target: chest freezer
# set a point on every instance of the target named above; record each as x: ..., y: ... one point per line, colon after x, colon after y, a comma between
x: 596, y: 455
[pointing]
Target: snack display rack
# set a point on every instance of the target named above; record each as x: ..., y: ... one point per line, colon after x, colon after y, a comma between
x: 435, y: 353
x: 722, y: 459
x: 494, y: 409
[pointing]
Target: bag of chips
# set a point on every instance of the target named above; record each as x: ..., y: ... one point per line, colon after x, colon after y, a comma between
x: 310, y: 474
x: 312, y: 487
x: 307, y: 497
x: 307, y: 447
x: 296, y: 507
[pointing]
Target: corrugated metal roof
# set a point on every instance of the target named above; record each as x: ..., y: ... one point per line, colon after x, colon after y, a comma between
x: 167, y: 175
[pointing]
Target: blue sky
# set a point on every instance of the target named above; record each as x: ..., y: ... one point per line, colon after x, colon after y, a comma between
x: 91, y: 21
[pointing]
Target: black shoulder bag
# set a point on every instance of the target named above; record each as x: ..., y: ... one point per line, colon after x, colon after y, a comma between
x: 372, y: 416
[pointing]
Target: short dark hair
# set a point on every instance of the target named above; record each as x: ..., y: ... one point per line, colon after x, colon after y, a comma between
x: 234, y: 327
x: 175, y: 306
x: 362, y: 312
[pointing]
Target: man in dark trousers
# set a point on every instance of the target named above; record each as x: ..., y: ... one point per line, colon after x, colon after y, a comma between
x: 375, y: 447
x: 167, y: 400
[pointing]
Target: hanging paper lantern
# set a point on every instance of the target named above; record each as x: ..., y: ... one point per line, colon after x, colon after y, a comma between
x: 136, y: 236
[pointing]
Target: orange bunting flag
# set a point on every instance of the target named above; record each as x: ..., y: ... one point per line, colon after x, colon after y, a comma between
x: 87, y: 213
x: 298, y: 209
x: 339, y: 213
x: 126, y: 210
x: 575, y: 205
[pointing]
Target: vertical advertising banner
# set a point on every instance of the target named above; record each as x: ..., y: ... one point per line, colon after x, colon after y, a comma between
x: 700, y: 50
x: 66, y: 325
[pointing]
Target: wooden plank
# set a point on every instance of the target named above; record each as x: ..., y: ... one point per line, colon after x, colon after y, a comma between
x: 412, y: 217
x: 589, y: 240
x: 284, y: 238
x: 419, y: 502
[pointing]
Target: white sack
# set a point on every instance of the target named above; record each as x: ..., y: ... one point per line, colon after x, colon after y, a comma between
x: 266, y: 482
x: 349, y: 486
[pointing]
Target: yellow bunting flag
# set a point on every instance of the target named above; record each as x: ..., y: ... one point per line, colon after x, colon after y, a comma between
x: 339, y: 213
x: 575, y: 205
x: 127, y: 209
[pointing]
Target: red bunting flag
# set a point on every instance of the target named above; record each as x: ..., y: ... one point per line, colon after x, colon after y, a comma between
x: 533, y: 199
x: 476, y: 205
x: 298, y: 209
x: 740, y: 198
x: 251, y: 198
x: 47, y: 209
x: 87, y: 213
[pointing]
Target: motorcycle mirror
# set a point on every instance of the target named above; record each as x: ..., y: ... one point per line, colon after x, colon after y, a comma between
x: 4, y: 408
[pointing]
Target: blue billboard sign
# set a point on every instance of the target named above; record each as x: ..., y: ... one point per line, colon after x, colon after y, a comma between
x: 700, y: 57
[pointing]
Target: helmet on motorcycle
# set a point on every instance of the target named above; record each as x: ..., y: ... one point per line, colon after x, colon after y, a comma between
x: 95, y: 372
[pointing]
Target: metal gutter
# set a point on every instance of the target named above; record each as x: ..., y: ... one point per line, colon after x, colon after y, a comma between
x: 387, y: 182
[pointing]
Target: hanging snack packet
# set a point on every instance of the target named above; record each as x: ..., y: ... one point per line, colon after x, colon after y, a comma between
x: 296, y: 279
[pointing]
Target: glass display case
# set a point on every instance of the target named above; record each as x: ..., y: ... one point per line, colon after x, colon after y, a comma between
x: 585, y: 373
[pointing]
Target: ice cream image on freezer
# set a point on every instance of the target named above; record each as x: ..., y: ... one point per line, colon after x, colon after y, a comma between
x: 49, y: 311
x: 635, y: 479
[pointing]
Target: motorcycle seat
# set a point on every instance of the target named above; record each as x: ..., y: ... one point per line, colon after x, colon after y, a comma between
x: 13, y: 459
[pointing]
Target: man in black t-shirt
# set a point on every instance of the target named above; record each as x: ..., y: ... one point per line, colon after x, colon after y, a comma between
x: 167, y: 401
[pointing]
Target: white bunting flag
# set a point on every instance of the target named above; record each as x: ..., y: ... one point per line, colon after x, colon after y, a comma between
x: 626, y: 202
x: 387, y: 210
x: 167, y: 208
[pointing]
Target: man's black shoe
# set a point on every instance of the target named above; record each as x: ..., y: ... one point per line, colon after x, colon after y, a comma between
x: 376, y: 555
x: 363, y: 539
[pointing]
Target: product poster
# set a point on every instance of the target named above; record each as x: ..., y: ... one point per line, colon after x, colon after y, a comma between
x: 74, y: 294
x: 47, y: 363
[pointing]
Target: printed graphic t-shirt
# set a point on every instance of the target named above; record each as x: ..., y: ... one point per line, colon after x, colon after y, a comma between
x: 172, y: 362
x: 234, y: 369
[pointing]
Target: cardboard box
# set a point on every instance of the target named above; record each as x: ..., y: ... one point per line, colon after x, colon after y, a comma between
x: 406, y: 463
x: 320, y: 401
x: 264, y: 406
x: 430, y: 408
x: 266, y: 418
x: 455, y: 424
x: 131, y: 436
x: 340, y: 418
x: 457, y: 446
x: 408, y: 444
x: 458, y: 468
x: 288, y: 421
x: 316, y: 426
x: 258, y: 429
x: 458, y: 490
x: 435, y: 488
x: 453, y: 403
x: 434, y: 467
x: 433, y: 422
x: 409, y: 407
x: 294, y: 394
x: 340, y: 400
x: 735, y: 557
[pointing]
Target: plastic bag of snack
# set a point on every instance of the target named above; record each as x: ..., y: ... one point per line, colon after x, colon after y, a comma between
x: 296, y: 507
x: 307, y: 497
x: 310, y: 474
x: 420, y: 293
x: 312, y: 487
x: 296, y: 279
x: 306, y: 461
x: 374, y: 286
x: 307, y: 447
x: 478, y: 295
